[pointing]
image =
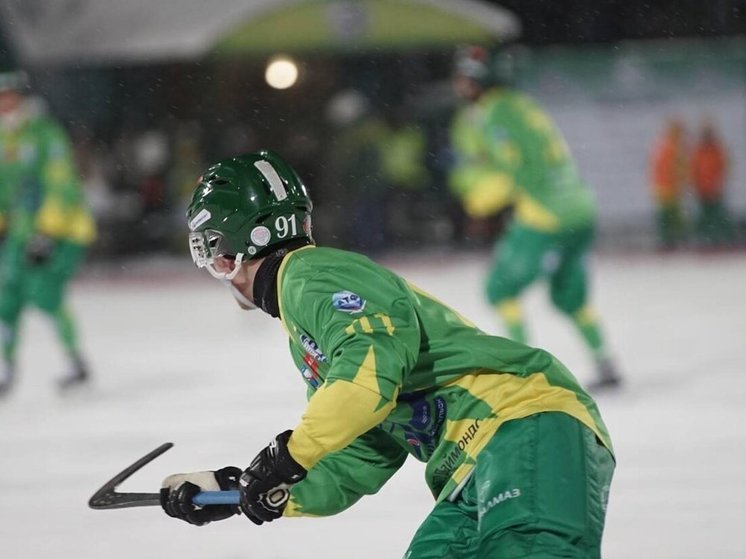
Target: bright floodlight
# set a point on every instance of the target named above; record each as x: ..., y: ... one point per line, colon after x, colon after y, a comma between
x: 281, y: 72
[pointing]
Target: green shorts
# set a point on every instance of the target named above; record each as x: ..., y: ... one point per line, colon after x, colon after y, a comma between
x: 539, y: 490
x: 43, y: 285
x: 524, y: 255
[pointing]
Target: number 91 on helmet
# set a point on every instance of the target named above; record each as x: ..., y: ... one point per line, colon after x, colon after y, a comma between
x: 244, y: 208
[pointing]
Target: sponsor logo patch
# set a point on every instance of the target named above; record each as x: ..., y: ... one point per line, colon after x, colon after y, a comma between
x: 310, y: 371
x: 492, y: 502
x: 260, y: 235
x: 312, y: 348
x: 347, y: 301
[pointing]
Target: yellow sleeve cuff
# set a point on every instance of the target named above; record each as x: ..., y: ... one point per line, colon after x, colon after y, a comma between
x: 488, y: 196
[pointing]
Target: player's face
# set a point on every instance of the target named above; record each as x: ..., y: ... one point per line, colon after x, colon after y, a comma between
x: 465, y: 87
x: 224, y: 265
x: 10, y: 100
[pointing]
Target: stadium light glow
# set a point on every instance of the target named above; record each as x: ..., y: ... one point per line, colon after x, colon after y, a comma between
x: 281, y: 72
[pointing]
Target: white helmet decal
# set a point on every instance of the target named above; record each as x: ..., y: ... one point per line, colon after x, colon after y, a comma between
x: 274, y: 180
x: 199, y: 219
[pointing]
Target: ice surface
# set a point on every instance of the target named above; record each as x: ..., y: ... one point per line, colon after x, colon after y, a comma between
x: 176, y: 361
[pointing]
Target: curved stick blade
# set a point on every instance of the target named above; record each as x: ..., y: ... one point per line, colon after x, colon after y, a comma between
x: 108, y: 498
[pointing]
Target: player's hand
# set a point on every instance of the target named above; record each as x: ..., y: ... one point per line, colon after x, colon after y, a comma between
x: 265, y: 484
x: 178, y: 490
x: 38, y: 249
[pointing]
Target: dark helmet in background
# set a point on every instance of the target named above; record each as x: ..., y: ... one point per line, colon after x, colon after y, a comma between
x: 486, y: 66
x: 13, y: 80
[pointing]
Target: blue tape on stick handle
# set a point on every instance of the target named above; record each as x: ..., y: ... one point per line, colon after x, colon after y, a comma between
x: 216, y: 498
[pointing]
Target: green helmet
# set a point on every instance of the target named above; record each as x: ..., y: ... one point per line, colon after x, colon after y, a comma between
x: 245, y: 207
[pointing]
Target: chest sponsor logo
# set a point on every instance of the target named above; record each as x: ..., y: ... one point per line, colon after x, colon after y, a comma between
x: 312, y: 348
x: 452, y: 459
x: 347, y: 301
x: 422, y: 429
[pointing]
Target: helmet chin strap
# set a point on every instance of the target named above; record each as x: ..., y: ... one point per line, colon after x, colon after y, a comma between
x: 225, y: 278
x: 224, y: 275
x: 242, y: 300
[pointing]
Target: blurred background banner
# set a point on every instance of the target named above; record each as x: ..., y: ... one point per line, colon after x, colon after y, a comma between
x: 73, y: 32
x: 152, y: 90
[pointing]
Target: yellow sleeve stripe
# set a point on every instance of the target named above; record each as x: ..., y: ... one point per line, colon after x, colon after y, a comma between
x: 513, y: 397
x: 366, y: 373
x: 338, y: 413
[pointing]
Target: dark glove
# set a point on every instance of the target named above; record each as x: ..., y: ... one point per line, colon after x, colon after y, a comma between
x: 178, y: 490
x: 265, y: 484
x: 38, y: 249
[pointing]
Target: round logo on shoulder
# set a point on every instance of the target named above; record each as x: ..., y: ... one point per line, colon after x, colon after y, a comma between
x: 260, y: 235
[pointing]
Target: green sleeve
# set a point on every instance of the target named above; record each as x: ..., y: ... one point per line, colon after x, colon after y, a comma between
x: 370, y: 352
x: 340, y: 479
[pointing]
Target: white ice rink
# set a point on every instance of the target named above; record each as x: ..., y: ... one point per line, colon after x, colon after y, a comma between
x: 176, y: 361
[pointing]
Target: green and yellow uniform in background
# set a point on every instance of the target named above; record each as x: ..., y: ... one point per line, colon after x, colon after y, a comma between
x: 508, y: 152
x: 391, y: 372
x: 47, y: 224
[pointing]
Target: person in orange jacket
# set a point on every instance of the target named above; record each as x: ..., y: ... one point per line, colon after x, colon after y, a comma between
x: 668, y: 177
x: 709, y: 169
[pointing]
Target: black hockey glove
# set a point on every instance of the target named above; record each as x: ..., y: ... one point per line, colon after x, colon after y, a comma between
x: 178, y: 490
x: 38, y: 249
x: 265, y: 484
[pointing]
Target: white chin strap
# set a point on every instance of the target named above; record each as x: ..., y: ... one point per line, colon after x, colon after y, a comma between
x: 226, y: 275
x: 242, y: 300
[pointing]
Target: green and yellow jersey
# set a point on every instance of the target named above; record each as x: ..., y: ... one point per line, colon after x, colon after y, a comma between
x: 508, y: 151
x: 393, y: 372
x: 41, y: 190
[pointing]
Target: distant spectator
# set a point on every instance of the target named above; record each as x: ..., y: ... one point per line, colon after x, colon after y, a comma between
x: 152, y: 156
x: 709, y: 169
x: 668, y: 177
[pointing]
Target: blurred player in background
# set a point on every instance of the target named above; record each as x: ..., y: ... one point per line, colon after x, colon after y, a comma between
x: 46, y: 222
x: 518, y: 458
x: 508, y: 152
